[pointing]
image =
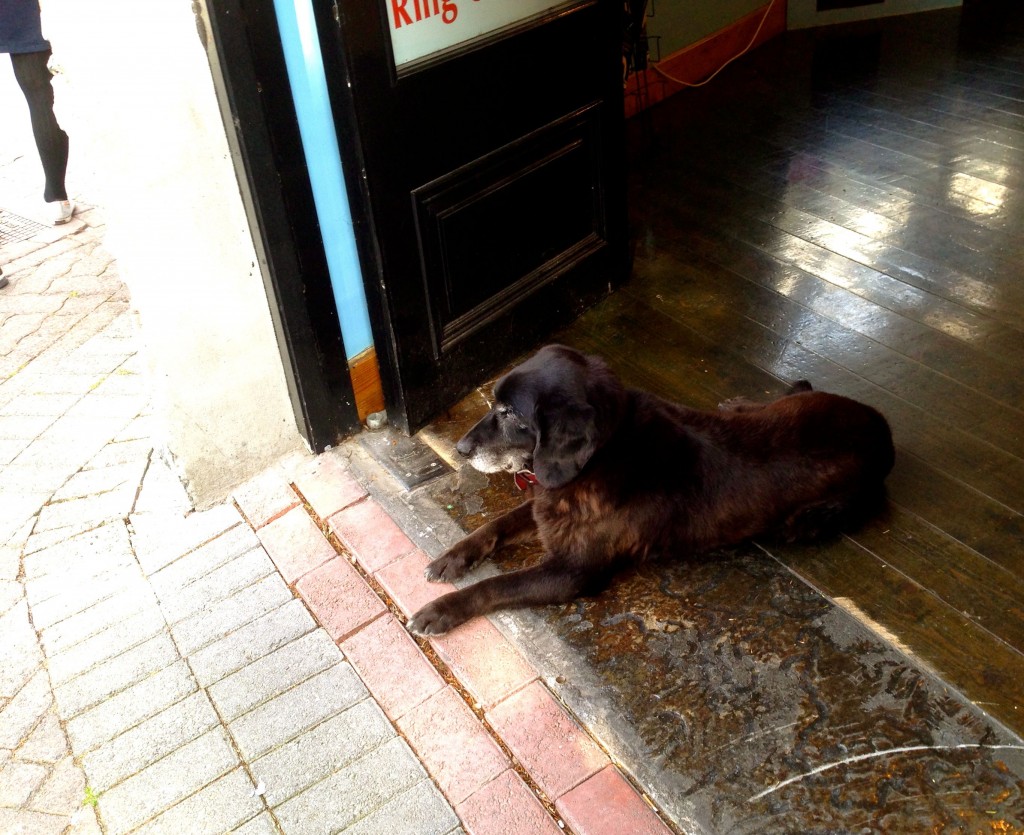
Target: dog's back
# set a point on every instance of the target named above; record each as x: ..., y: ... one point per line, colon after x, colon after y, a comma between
x: 805, y: 466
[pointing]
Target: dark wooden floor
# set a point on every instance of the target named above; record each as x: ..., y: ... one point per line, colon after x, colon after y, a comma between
x: 847, y: 206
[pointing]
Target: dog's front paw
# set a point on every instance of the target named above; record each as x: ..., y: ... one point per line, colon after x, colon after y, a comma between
x: 438, y: 617
x: 453, y: 563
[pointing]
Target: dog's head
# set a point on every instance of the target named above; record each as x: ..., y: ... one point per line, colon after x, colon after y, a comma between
x: 550, y: 415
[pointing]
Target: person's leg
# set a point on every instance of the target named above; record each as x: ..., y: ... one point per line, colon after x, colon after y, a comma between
x: 34, y: 78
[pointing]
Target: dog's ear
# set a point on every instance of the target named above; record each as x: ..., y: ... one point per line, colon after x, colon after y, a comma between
x: 566, y: 438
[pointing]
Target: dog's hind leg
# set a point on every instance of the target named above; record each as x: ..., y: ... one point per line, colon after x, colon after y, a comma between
x: 745, y: 404
x: 512, y: 527
x: 552, y: 581
x: 832, y: 516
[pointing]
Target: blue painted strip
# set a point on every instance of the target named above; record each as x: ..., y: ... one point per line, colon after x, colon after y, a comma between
x: 320, y: 143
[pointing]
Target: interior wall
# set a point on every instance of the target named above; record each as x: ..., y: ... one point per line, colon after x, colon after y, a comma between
x: 804, y: 13
x: 680, y: 23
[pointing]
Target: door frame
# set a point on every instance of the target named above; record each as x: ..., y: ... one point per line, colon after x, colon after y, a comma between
x: 262, y: 128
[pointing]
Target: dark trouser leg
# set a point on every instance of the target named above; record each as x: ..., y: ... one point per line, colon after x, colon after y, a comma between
x: 34, y: 79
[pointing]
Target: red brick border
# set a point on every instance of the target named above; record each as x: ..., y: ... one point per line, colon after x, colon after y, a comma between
x: 463, y: 746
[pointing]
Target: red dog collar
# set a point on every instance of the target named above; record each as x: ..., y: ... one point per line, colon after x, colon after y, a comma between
x: 525, y: 479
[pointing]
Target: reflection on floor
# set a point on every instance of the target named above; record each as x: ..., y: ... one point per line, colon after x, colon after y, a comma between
x: 845, y: 206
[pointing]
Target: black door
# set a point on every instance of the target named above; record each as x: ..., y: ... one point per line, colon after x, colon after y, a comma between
x: 488, y: 181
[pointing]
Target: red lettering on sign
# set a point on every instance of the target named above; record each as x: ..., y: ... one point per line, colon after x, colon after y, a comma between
x: 421, y: 10
x: 400, y: 14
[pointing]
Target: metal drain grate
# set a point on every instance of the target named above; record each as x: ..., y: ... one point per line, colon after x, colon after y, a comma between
x: 17, y: 228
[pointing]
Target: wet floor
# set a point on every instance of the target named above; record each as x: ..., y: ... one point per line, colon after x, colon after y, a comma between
x: 843, y: 206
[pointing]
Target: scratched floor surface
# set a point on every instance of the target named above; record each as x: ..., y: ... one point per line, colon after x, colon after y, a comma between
x: 844, y: 206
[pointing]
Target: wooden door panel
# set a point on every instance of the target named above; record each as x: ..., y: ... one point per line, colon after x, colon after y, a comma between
x: 493, y: 232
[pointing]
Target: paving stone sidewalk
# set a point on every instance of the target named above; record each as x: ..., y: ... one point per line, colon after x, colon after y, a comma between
x: 245, y: 668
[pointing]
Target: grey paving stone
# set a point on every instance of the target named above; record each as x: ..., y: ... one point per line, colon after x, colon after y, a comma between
x: 262, y: 825
x: 161, y: 490
x: 109, y: 643
x: 47, y: 743
x: 251, y: 642
x: 219, y: 807
x: 117, y: 453
x: 20, y: 822
x: 114, y: 505
x: 191, y: 567
x: 84, y: 595
x: 160, y: 538
x: 40, y: 540
x: 352, y: 793
x: 100, y: 549
x: 23, y: 427
x: 9, y: 450
x: 40, y: 404
x: 19, y: 513
x: 226, y: 615
x: 147, y: 742
x: 10, y: 562
x: 11, y: 593
x: 167, y: 781
x: 422, y: 809
x: 62, y: 383
x: 236, y: 575
x: 62, y: 791
x: 100, y: 683
x: 274, y: 673
x: 21, y: 655
x: 326, y: 748
x: 18, y: 780
x: 105, y: 480
x: 130, y: 707
x: 23, y: 712
x: 103, y: 615
x: 76, y: 575
x: 84, y: 822
x: 296, y: 710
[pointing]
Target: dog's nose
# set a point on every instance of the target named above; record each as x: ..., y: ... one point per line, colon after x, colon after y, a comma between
x: 464, y: 447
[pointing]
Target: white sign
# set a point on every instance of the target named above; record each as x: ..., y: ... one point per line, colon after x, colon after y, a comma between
x: 423, y: 27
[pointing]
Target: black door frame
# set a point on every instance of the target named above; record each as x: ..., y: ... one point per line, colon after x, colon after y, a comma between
x: 257, y: 102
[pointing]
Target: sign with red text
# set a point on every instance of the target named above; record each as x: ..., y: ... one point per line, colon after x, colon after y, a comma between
x: 423, y: 27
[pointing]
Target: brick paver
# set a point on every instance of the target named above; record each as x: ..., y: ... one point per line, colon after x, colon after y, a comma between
x: 392, y: 666
x: 505, y: 805
x: 459, y: 754
x: 606, y: 804
x: 546, y: 740
x: 340, y: 598
x: 486, y: 663
x: 295, y: 544
x: 367, y: 531
x: 327, y: 485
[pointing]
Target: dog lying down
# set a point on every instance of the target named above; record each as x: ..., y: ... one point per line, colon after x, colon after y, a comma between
x: 621, y: 476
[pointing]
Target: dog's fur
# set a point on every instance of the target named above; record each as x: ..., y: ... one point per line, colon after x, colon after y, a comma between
x: 624, y: 475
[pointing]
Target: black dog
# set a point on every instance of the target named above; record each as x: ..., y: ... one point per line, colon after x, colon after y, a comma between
x: 622, y: 475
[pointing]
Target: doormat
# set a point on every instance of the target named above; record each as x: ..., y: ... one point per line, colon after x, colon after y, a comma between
x: 15, y: 228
